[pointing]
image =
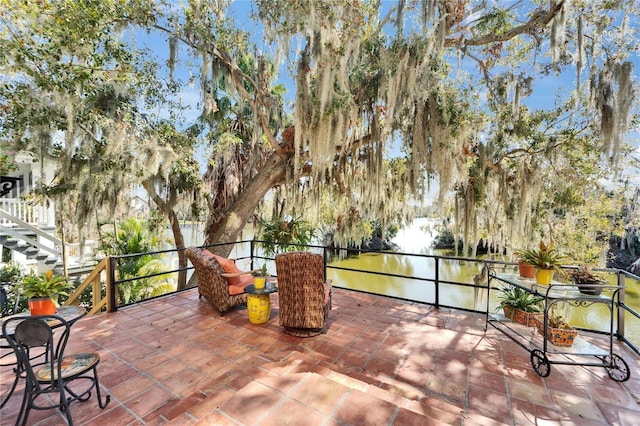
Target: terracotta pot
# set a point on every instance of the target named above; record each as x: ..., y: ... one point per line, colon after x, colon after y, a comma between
x: 526, y: 270
x: 41, y: 306
x: 544, y: 276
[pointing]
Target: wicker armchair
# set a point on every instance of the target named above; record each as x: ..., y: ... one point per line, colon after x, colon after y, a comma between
x: 213, y: 281
x: 304, y: 296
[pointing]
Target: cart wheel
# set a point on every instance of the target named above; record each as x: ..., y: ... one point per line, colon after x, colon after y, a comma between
x: 619, y: 370
x: 540, y: 363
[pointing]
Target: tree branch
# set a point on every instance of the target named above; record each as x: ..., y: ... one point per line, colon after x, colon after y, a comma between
x: 539, y: 19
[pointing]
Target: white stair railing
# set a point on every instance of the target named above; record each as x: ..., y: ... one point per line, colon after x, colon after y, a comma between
x: 16, y: 208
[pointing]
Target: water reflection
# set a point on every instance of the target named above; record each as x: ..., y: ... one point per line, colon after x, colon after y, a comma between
x: 421, y: 286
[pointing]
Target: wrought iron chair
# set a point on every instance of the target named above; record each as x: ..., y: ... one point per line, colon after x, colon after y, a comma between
x: 304, y: 296
x: 57, y: 373
x: 7, y: 357
x: 224, y: 290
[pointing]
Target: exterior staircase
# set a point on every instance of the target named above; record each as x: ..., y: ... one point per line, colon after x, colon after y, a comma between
x: 25, y: 244
x: 38, y: 245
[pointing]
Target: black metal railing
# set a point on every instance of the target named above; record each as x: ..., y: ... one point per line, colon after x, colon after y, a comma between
x: 251, y: 251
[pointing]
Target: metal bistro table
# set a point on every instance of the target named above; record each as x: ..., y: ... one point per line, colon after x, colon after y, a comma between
x: 71, y: 314
x: 259, y: 302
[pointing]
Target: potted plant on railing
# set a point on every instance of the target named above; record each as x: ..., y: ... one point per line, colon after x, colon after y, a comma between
x: 525, y: 270
x: 520, y: 305
x: 547, y: 261
x: 260, y: 276
x: 587, y: 281
x: 559, y: 332
x: 42, y: 291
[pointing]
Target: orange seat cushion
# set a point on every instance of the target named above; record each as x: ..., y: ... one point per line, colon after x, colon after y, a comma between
x: 240, y: 283
x: 236, y: 284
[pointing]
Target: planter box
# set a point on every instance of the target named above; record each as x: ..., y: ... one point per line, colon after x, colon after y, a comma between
x: 562, y: 337
x: 520, y: 316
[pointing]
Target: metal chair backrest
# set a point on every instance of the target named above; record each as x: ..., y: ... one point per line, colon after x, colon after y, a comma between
x: 36, y: 332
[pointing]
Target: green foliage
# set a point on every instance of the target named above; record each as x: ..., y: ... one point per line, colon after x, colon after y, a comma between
x: 586, y: 230
x: 444, y: 238
x: 556, y: 318
x: 6, y: 163
x: 544, y: 257
x: 519, y: 298
x: 281, y: 236
x: 584, y: 274
x: 135, y: 237
x: 45, y: 284
x: 10, y: 273
x: 261, y: 272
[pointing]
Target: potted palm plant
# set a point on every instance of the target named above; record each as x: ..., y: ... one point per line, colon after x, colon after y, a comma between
x: 520, y: 305
x: 42, y: 291
x: 546, y: 259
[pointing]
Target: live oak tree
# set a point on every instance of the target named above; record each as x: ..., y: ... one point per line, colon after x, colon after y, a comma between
x: 448, y: 81
x: 386, y: 98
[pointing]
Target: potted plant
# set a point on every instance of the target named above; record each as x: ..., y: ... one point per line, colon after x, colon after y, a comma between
x: 559, y: 332
x: 260, y: 276
x: 587, y: 281
x: 525, y: 270
x: 42, y: 291
x: 520, y: 305
x: 546, y: 259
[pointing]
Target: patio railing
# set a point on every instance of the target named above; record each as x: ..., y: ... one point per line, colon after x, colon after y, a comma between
x: 100, y: 290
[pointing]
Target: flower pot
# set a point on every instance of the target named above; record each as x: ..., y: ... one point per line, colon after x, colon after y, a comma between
x: 520, y: 316
x: 592, y: 288
x: 544, y: 276
x: 558, y: 336
x: 41, y: 306
x: 526, y: 270
x: 259, y: 282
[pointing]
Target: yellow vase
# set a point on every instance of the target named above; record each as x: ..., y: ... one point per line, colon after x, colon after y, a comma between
x: 544, y: 276
x: 259, y: 282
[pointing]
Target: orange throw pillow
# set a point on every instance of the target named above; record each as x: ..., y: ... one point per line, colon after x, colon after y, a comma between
x: 230, y: 267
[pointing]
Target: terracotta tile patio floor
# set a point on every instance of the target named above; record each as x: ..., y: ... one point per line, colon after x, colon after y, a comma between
x: 175, y: 360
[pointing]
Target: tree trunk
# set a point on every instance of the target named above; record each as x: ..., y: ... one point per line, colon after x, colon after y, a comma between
x: 178, y: 238
x: 228, y: 227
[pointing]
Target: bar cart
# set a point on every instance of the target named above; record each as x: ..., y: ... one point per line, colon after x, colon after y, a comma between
x: 543, y: 353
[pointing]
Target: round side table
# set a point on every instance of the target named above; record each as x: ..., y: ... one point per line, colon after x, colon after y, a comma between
x: 259, y: 302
